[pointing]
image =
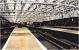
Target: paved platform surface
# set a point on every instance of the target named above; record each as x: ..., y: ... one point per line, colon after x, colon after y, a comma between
x: 22, y: 39
x: 62, y: 30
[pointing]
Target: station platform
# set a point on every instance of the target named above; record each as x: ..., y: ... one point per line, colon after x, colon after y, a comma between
x: 22, y: 39
x: 61, y: 30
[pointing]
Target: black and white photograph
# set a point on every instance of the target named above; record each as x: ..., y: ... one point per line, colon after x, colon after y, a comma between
x: 39, y: 24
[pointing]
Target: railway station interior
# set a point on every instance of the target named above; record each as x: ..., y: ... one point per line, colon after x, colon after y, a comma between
x: 39, y: 24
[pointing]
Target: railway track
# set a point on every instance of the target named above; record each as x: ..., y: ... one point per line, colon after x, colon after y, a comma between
x: 5, y: 33
x: 57, y: 42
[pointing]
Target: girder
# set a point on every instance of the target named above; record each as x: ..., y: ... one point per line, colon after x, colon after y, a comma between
x: 38, y: 10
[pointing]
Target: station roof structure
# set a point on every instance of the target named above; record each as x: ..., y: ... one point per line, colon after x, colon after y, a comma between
x: 38, y: 10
